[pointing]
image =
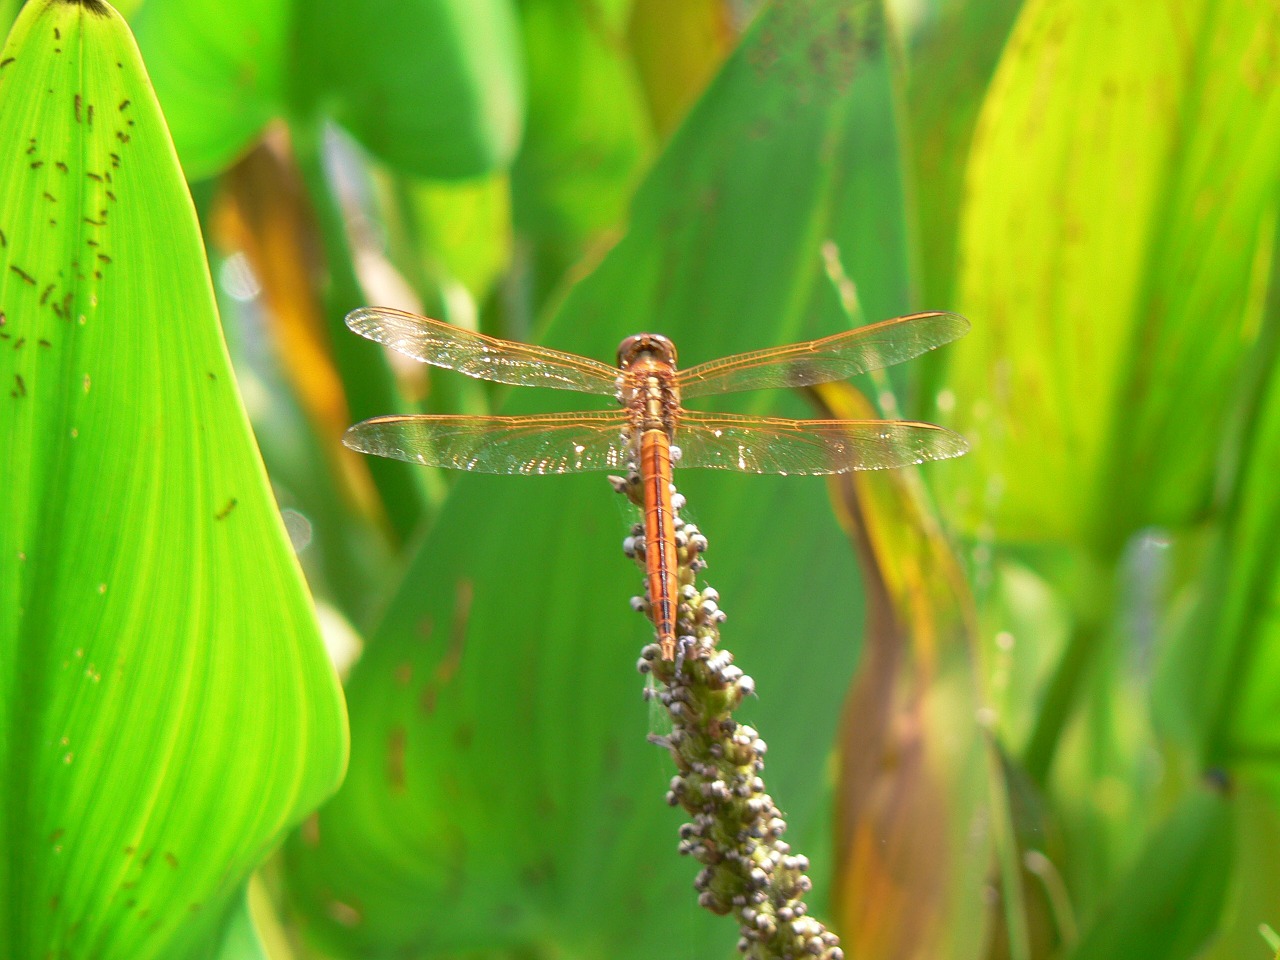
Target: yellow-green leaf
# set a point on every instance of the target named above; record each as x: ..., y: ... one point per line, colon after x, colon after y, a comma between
x: 1115, y: 199
x: 169, y: 710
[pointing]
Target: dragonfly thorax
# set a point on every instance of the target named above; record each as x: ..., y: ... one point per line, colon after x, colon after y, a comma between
x: 647, y: 382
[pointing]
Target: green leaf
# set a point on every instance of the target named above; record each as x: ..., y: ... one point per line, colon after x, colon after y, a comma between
x: 240, y: 940
x: 451, y: 239
x: 1256, y: 872
x: 220, y: 76
x: 1169, y: 904
x: 1219, y: 680
x: 677, y: 45
x: 169, y: 709
x: 501, y: 791
x: 587, y: 137
x: 951, y: 61
x: 432, y: 87
x: 1115, y: 200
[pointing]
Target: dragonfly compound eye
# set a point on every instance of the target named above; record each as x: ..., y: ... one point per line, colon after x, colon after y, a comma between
x: 653, y: 344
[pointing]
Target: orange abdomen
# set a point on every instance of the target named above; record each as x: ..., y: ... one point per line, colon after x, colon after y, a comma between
x: 659, y: 536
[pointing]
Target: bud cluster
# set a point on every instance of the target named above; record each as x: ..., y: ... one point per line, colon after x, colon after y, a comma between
x: 736, y: 828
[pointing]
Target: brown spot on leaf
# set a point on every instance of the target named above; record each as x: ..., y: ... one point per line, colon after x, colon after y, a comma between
x: 346, y: 914
x: 395, y: 759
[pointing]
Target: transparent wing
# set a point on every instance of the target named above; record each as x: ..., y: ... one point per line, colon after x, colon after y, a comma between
x: 836, y: 357
x: 486, y: 358
x: 771, y: 445
x: 550, y: 443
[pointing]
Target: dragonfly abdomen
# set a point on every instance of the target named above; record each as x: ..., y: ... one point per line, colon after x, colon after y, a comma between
x: 659, y: 536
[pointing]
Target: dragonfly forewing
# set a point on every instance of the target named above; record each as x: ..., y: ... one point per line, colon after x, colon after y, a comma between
x: 485, y: 358
x: 837, y: 357
x: 800, y: 447
x: 548, y: 443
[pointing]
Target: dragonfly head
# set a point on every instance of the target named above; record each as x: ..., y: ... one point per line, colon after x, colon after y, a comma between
x: 652, y: 345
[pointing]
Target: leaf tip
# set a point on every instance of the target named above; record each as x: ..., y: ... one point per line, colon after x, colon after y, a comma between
x: 96, y: 7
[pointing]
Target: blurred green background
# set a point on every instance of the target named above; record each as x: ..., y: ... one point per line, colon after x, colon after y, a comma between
x: 1024, y: 705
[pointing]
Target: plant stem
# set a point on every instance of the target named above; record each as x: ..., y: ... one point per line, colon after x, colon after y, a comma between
x: 736, y: 831
x: 1060, y: 699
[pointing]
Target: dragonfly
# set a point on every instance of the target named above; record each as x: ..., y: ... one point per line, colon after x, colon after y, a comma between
x: 651, y: 430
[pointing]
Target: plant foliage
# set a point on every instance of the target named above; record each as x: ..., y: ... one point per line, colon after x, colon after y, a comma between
x: 1021, y: 705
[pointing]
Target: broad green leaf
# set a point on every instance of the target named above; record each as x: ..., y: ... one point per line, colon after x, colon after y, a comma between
x: 223, y: 77
x: 170, y: 711
x: 500, y: 791
x: 1170, y: 902
x: 219, y: 73
x: 432, y: 87
x: 586, y: 141
x: 1114, y: 203
x: 1220, y: 682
